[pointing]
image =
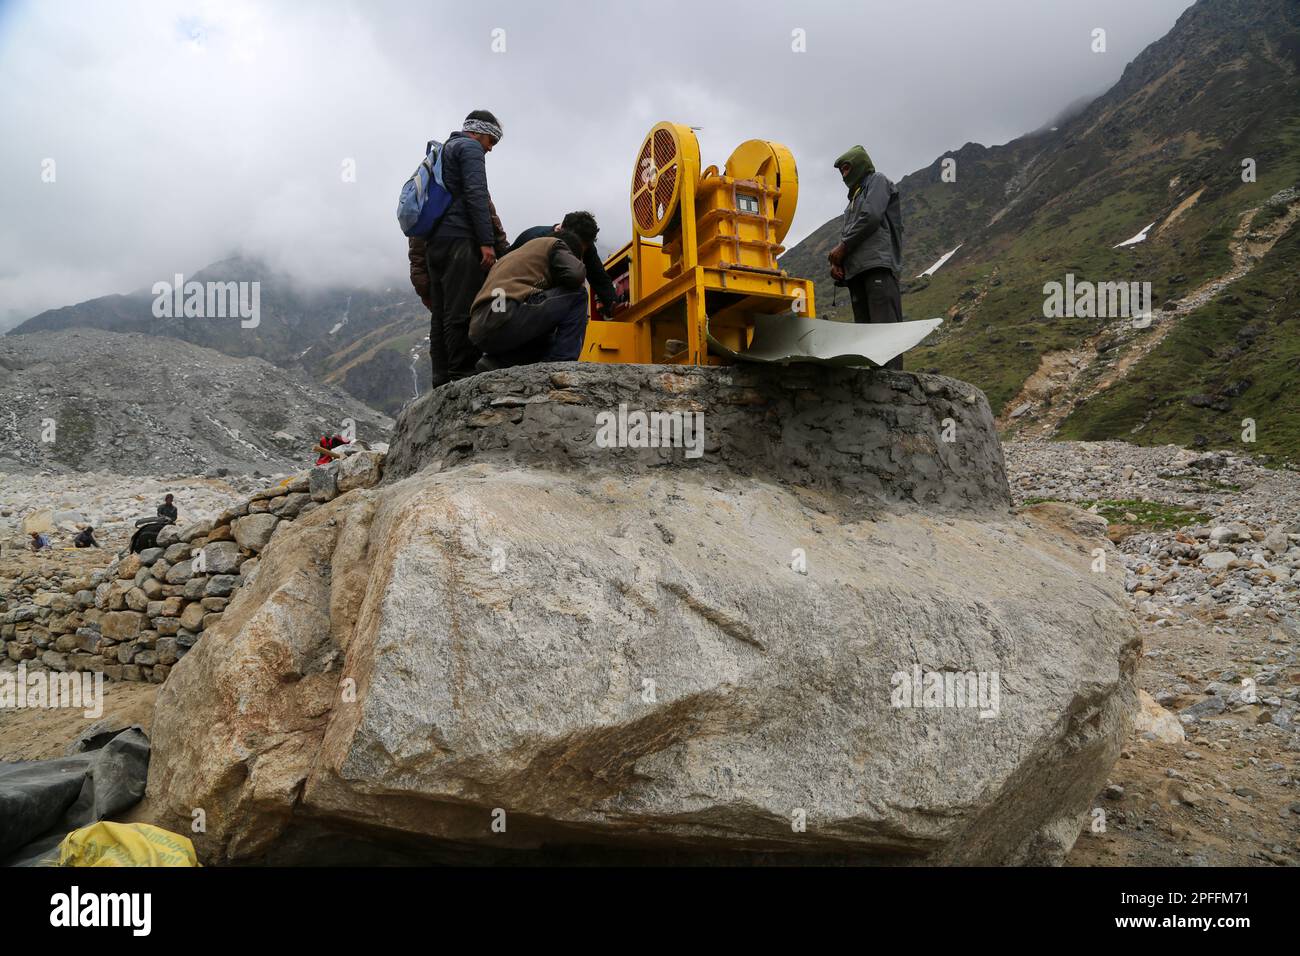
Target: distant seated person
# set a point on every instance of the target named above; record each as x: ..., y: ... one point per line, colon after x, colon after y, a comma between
x: 86, y: 538
x: 583, y: 225
x: 167, y: 509
x: 40, y: 542
x: 532, y: 307
x: 330, y: 448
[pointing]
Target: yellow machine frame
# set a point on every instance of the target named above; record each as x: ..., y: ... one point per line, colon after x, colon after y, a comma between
x: 716, y: 265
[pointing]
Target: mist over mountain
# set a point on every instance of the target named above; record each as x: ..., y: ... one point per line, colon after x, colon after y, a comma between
x: 370, y: 342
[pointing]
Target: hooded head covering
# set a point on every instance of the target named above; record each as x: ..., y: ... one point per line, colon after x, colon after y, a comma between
x: 860, y: 167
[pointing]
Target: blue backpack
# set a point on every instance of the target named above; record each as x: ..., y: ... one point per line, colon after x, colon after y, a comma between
x: 424, y: 197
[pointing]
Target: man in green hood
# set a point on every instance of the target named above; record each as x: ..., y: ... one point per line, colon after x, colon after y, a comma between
x: 859, y: 167
x: 869, y: 257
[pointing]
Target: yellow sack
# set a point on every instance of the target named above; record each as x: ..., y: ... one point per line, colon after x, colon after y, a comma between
x: 125, y: 844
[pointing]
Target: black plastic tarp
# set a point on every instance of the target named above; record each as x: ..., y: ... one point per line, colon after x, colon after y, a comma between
x: 41, y: 801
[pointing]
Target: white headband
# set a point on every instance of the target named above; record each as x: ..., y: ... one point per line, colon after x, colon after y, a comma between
x: 482, y: 126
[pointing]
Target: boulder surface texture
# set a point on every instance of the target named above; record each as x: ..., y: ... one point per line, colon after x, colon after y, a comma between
x: 818, y: 634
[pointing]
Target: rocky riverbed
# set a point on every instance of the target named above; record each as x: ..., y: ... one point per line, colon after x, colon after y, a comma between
x: 1211, y: 551
x: 90, y: 400
x: 1199, y: 534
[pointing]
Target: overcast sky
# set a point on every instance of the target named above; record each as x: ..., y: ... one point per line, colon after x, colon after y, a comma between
x: 182, y: 131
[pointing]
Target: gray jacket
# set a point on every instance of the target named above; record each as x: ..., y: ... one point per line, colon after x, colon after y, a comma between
x: 873, y: 228
x: 465, y: 174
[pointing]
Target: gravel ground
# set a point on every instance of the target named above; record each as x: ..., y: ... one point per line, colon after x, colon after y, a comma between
x: 1212, y: 561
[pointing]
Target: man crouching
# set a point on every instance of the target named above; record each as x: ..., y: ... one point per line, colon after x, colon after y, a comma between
x: 533, y: 306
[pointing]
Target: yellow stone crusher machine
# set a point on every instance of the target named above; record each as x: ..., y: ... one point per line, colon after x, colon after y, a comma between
x: 701, y: 278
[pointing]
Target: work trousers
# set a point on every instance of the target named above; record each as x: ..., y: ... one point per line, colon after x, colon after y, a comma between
x: 455, y: 277
x: 876, y: 298
x: 548, y: 326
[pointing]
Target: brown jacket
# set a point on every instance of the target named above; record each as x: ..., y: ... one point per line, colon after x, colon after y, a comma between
x: 534, y: 267
x: 416, y: 250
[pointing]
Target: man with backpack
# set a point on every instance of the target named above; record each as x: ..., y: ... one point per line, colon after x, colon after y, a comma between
x: 167, y: 509
x: 462, y: 247
x: 583, y: 225
x: 533, y: 307
x: 869, y: 256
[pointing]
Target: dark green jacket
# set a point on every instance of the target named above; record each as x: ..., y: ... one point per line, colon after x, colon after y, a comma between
x: 873, y: 228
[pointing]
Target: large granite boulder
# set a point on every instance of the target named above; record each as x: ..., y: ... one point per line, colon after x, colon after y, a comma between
x: 825, y: 637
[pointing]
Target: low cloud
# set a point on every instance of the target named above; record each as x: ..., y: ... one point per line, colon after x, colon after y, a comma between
x: 181, y: 133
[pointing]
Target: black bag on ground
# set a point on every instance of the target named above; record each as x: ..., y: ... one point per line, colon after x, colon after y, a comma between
x: 146, y: 534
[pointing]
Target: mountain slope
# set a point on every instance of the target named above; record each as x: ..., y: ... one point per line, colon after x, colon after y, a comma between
x: 1235, y: 359
x: 1165, y: 146
x: 143, y: 404
x: 354, y: 338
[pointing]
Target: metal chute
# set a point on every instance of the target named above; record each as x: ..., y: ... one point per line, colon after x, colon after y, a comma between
x: 787, y: 338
